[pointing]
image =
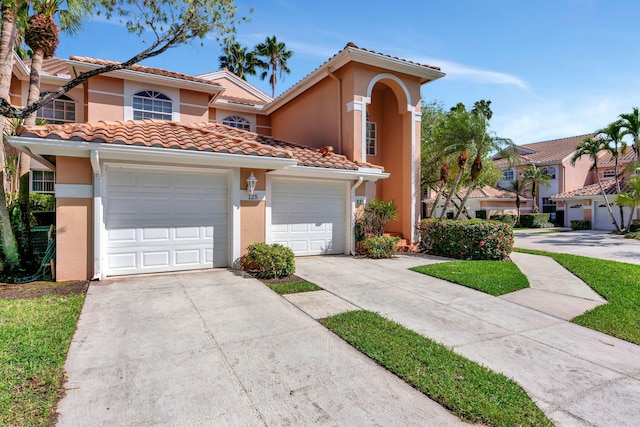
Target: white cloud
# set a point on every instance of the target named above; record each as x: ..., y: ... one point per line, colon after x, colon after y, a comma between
x: 464, y: 72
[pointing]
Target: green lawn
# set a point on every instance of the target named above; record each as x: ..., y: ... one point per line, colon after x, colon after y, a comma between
x: 34, y: 340
x: 293, y: 287
x: 493, y: 277
x: 618, y: 282
x: 472, y: 392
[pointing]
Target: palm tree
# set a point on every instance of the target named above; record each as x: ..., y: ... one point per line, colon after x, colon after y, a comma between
x: 612, y: 142
x: 631, y: 125
x: 237, y: 60
x: 592, y: 147
x: 536, y: 177
x: 276, y: 55
x: 631, y: 197
x: 518, y: 187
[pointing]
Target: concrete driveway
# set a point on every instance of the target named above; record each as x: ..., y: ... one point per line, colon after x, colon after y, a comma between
x: 213, y: 348
x: 591, y: 243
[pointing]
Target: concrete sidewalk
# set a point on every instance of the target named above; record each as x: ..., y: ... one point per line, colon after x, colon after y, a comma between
x: 577, y: 376
x: 212, y: 348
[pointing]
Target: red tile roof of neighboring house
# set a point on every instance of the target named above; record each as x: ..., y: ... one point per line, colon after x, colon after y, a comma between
x: 145, y: 69
x: 554, y: 150
x: 53, y: 66
x: 609, y: 186
x: 205, y: 137
x: 241, y: 101
x: 485, y: 192
x: 606, y: 158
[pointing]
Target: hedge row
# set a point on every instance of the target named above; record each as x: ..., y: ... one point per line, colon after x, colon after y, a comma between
x: 579, y: 224
x: 473, y: 239
x: 535, y: 220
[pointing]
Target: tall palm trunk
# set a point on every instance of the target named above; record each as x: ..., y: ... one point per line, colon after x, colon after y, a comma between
x: 7, y: 42
x: 617, y: 177
x: 606, y: 199
x: 444, y: 177
x: 462, y: 161
x: 476, y: 168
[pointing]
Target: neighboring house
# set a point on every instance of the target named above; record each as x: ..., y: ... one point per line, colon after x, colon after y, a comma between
x: 588, y: 203
x: 491, y: 200
x: 153, y: 175
x: 555, y: 157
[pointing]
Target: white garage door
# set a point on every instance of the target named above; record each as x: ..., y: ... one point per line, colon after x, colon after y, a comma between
x: 159, y: 221
x: 574, y: 212
x: 603, y: 218
x: 308, y: 216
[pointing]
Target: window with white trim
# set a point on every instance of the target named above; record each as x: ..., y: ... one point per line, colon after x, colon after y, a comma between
x: 609, y: 173
x: 237, y: 122
x: 551, y: 171
x: 43, y: 181
x: 508, y: 175
x: 371, y: 137
x: 58, y: 111
x: 548, y: 205
x: 150, y: 104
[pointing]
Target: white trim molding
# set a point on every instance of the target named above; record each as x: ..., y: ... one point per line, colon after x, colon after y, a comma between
x: 74, y: 191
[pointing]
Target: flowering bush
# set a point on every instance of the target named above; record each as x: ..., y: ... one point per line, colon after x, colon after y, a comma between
x: 466, y: 239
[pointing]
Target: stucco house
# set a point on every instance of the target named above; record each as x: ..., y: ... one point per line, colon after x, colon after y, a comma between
x: 155, y: 170
x: 490, y: 200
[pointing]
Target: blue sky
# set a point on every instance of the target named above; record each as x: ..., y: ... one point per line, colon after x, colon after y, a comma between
x: 552, y: 68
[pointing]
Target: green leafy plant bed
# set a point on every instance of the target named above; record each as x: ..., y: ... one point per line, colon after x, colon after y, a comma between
x: 472, y: 392
x: 618, y: 282
x: 492, y: 277
x: 34, y: 336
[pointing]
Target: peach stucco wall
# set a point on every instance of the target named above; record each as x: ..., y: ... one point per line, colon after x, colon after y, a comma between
x: 232, y: 89
x: 252, y: 223
x: 263, y: 125
x: 74, y: 222
x: 311, y: 119
x: 575, y: 177
x: 194, y: 106
x: 104, y: 98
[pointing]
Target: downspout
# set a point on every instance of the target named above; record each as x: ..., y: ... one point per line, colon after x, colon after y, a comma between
x: 97, y: 216
x: 352, y: 239
x: 330, y: 74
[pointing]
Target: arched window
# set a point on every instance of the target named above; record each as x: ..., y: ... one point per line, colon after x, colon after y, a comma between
x: 60, y: 110
x: 150, y: 104
x: 237, y: 122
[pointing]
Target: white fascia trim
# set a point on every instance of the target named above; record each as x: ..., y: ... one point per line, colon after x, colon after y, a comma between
x: 355, y: 106
x: 57, y: 147
x: 22, y: 70
x: 102, y: 92
x: 234, y: 217
x: 237, y: 80
x: 139, y: 76
x: 367, y: 174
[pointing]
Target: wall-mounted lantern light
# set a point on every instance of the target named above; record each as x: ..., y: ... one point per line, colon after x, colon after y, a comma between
x: 251, y: 185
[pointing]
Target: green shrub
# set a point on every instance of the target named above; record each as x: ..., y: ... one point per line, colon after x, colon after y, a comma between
x: 374, y: 217
x: 633, y: 235
x: 508, y: 218
x: 579, y: 224
x: 634, y: 226
x: 473, y: 239
x: 39, y: 202
x: 535, y: 220
x: 269, y: 261
x: 381, y: 246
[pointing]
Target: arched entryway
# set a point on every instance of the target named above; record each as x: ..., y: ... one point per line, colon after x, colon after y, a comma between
x: 389, y: 135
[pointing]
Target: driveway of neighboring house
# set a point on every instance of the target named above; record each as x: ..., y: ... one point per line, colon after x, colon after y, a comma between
x: 591, y: 243
x: 577, y: 376
x: 214, y: 348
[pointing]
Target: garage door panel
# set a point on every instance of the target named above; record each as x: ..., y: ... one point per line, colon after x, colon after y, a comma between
x: 308, y: 216
x: 165, y: 221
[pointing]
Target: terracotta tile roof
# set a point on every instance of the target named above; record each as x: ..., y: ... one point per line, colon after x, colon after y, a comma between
x: 554, y: 150
x: 352, y: 45
x: 144, y: 69
x: 609, y: 186
x: 205, y: 137
x: 485, y: 192
x: 242, y: 101
x: 53, y: 66
x: 607, y: 159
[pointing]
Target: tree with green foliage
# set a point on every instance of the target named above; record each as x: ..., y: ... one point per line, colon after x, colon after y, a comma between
x: 536, y: 177
x: 238, y: 59
x: 612, y: 142
x: 519, y: 187
x: 592, y: 147
x: 631, y: 125
x: 631, y: 197
x: 276, y: 56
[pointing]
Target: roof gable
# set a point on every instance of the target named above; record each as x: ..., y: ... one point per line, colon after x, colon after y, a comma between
x: 551, y: 151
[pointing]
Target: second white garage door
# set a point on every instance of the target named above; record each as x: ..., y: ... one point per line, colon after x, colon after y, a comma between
x: 309, y: 216
x: 158, y: 221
